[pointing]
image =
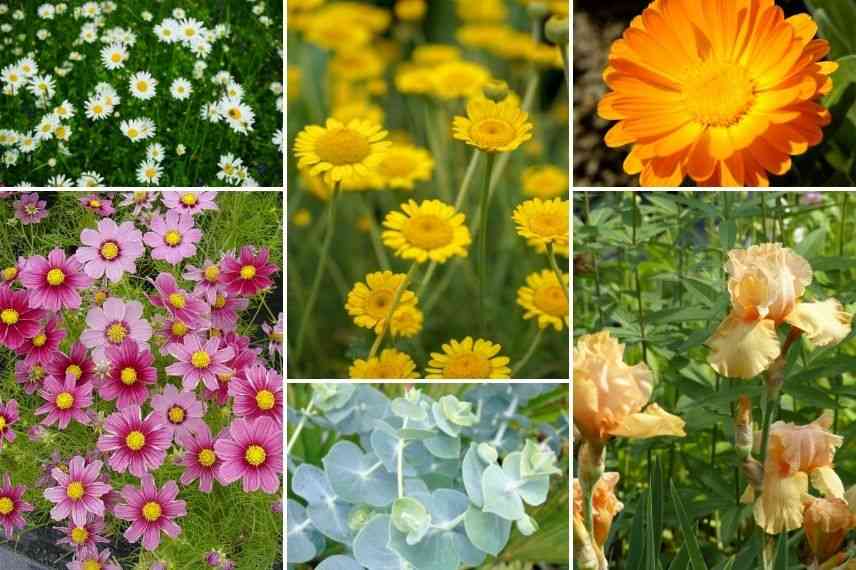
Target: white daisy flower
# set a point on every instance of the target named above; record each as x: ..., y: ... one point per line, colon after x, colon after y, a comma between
x: 108, y: 7
x: 149, y: 172
x: 64, y: 110
x: 28, y: 67
x: 277, y: 139
x: 62, y: 133
x: 180, y: 150
x: 90, y: 179
x: 178, y: 13
x: 181, y: 89
x: 189, y: 29
x: 276, y: 88
x: 146, y: 16
x: 42, y: 86
x: 90, y: 10
x: 8, y: 137
x: 155, y: 152
x: 24, y: 184
x: 13, y: 76
x: 200, y: 48
x: 132, y: 129
x: 97, y: 108
x: 222, y: 78
x: 60, y: 181
x: 229, y: 165
x: 10, y: 157
x: 28, y: 143
x: 238, y: 114
x: 250, y: 182
x: 142, y: 85
x: 43, y: 34
x: 209, y: 113
x: 114, y: 56
x: 234, y: 90
x: 89, y: 33
x: 46, y: 127
x: 167, y: 31
x: 148, y: 128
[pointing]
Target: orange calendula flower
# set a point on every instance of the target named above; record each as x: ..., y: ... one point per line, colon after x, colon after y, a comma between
x: 766, y: 283
x: 722, y: 91
x: 609, y: 395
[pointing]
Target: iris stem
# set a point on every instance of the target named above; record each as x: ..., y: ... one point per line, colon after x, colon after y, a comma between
x: 535, y: 342
x: 398, y: 292
x: 483, y: 240
x: 319, y: 272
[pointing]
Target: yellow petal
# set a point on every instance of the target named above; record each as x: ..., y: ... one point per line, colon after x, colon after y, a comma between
x: 653, y: 422
x: 823, y: 323
x: 779, y: 509
x: 826, y: 480
x: 741, y: 349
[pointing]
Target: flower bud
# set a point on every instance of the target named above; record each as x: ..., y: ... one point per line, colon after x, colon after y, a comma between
x: 743, y: 427
x: 754, y: 472
x: 557, y: 30
x: 496, y: 90
x: 537, y: 9
x: 591, y: 464
x: 826, y: 522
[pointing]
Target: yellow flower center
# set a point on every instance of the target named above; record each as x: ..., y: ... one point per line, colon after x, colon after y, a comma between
x: 248, y: 272
x: 206, y: 457
x: 10, y: 273
x: 9, y: 316
x: 225, y: 376
x: 427, y: 231
x: 6, y: 505
x: 548, y: 224
x: 492, y: 133
x: 116, y: 333
x: 219, y: 302
x: 551, y: 300
x: 398, y: 165
x: 79, y: 535
x: 176, y: 414
x: 74, y: 370
x: 378, y: 303
x: 109, y: 250
x: 55, y: 277
x: 116, y: 57
x: 2, y: 423
x: 98, y: 109
x: 95, y: 203
x: 142, y: 86
x: 212, y: 272
x: 135, y: 440
x: 152, y: 511
x: 718, y: 93
x: 189, y: 199
x: 92, y: 564
x: 200, y: 359
x: 128, y: 376
x: 342, y: 146
x: 172, y: 238
x: 75, y: 490
x: 40, y: 340
x: 64, y: 400
x: 37, y: 372
x: 178, y: 328
x: 275, y: 336
x: 177, y: 300
x: 133, y: 133
x: 235, y: 113
x: 255, y: 455
x: 467, y: 365
x: 265, y: 399
x: 140, y: 197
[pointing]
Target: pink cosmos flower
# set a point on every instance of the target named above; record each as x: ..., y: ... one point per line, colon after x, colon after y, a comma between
x: 257, y: 393
x: 10, y: 274
x: 173, y: 237
x: 244, y: 358
x: 53, y: 282
x: 111, y: 250
x: 249, y: 273
x: 198, y: 360
x: 141, y: 200
x: 224, y: 311
x: 114, y: 322
x: 41, y: 348
x: 90, y: 557
x: 130, y: 374
x: 137, y: 445
x: 97, y: 204
x: 8, y: 416
x: 190, y: 203
x: 87, y: 535
x: 207, y: 278
x: 65, y: 401
x: 179, y: 412
x: 173, y: 331
x: 12, y: 506
x: 29, y: 209
x: 78, y: 492
x: 199, y: 459
x: 30, y: 376
x: 252, y: 451
x: 150, y: 511
x: 187, y: 308
x: 274, y: 334
x: 76, y: 362
x: 18, y: 321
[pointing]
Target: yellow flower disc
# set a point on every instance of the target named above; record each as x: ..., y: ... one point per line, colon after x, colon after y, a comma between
x: 543, y: 297
x: 468, y: 359
x: 390, y: 364
x: 430, y: 230
x: 493, y: 127
x: 369, y: 303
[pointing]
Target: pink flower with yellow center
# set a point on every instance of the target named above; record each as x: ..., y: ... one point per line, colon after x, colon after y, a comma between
x: 173, y: 237
x: 97, y: 204
x: 29, y: 376
x: 200, y: 459
x: 207, y: 278
x: 78, y: 492
x: 18, y: 321
x: 40, y: 348
x: 225, y: 309
x: 65, y: 401
x: 243, y: 359
x: 151, y: 511
x: 135, y: 444
x: 8, y: 416
x: 257, y: 392
x: 198, y: 360
x: 129, y: 376
x: 76, y: 362
x: 179, y: 412
x: 249, y: 273
x: 12, y: 506
x: 29, y: 209
x: 114, y: 322
x: 111, y: 250
x: 190, y: 310
x: 766, y: 283
x: 275, y: 335
x: 90, y: 558
x: 53, y: 282
x: 189, y: 202
x: 82, y: 536
x: 251, y: 451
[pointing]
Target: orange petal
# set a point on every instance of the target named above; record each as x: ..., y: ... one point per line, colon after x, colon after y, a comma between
x: 823, y: 322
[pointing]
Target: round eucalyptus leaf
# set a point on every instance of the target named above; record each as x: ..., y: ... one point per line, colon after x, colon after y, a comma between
x: 371, y: 546
x: 410, y: 517
x: 533, y: 490
x: 487, y: 531
x: 339, y: 562
x: 368, y: 405
x: 487, y: 453
x: 500, y: 495
x: 470, y: 556
x: 310, y: 483
x: 443, y: 446
x: 446, y: 505
x: 331, y: 518
x: 472, y: 470
x: 434, y: 552
x: 357, y: 477
x: 408, y: 409
x: 303, y: 542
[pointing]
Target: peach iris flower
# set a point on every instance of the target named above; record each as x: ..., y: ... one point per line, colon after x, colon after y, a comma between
x: 766, y: 283
x: 827, y: 522
x: 605, y: 505
x: 609, y: 395
x: 795, y: 456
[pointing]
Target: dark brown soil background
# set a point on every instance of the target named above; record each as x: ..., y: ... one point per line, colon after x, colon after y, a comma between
x: 597, y: 23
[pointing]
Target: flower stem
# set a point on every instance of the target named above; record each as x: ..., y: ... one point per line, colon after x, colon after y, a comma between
x: 551, y: 254
x: 319, y: 273
x: 400, y: 470
x: 306, y: 411
x: 398, y: 292
x: 535, y: 342
x: 483, y: 240
x: 468, y: 176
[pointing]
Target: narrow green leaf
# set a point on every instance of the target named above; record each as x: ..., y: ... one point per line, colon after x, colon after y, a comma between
x: 689, y: 530
x: 650, y: 552
x: 657, y: 502
x: 682, y: 560
x: 781, y: 562
x: 637, y: 544
x: 745, y: 560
